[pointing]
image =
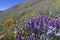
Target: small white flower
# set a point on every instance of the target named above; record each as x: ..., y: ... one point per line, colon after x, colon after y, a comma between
x: 47, y: 39
x: 53, y: 29
x: 24, y: 21
x: 50, y: 27
x: 49, y: 32
x: 57, y: 34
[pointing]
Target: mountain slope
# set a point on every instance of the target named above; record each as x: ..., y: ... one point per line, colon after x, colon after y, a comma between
x: 28, y: 7
x: 20, y: 8
x: 12, y: 18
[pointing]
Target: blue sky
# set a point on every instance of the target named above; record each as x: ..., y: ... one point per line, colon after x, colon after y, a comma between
x: 5, y: 4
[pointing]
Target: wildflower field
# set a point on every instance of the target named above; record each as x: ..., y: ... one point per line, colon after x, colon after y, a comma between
x: 35, y: 25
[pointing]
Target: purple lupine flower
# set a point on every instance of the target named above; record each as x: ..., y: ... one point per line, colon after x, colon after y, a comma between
x: 45, y: 28
x: 56, y: 22
x: 29, y: 25
x: 35, y: 29
x: 40, y: 19
x: 46, y: 19
x: 37, y: 22
x: 19, y: 34
x: 18, y: 37
x: 38, y: 29
x: 51, y: 22
x: 33, y: 19
x: 32, y: 37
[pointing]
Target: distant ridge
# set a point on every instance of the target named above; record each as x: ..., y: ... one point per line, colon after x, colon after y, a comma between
x: 1, y: 11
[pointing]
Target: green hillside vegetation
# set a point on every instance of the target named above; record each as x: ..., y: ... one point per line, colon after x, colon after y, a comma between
x: 12, y: 18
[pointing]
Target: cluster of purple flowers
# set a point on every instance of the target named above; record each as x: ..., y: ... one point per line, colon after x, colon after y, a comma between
x: 39, y: 28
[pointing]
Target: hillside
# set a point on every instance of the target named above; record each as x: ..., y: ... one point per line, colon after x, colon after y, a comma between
x: 22, y: 8
x: 15, y: 16
x: 28, y: 6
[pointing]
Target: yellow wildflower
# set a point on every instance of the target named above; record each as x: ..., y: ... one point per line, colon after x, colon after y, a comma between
x: 8, y: 20
x: 15, y: 32
x: 33, y: 15
x: 23, y: 17
x: 23, y: 31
